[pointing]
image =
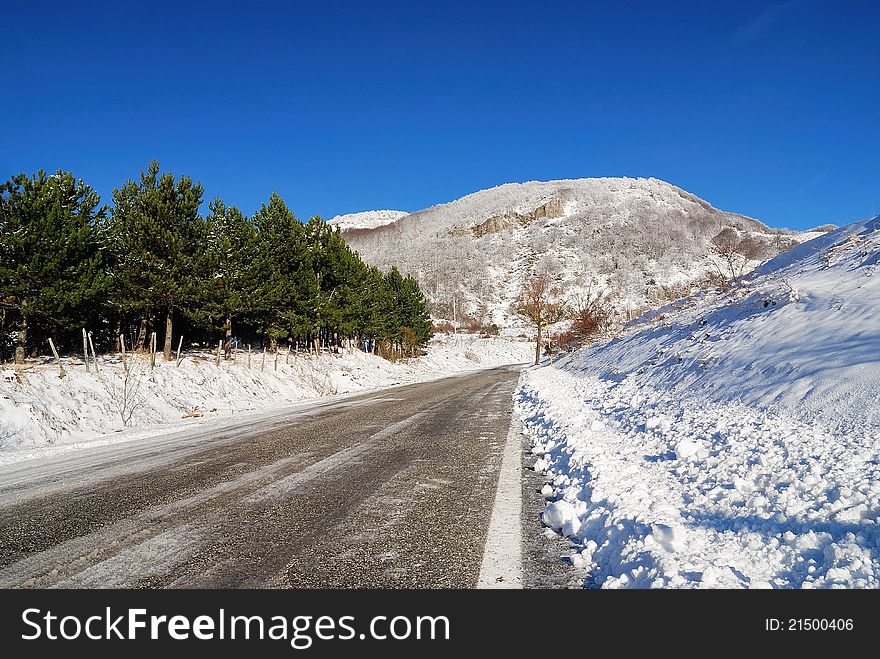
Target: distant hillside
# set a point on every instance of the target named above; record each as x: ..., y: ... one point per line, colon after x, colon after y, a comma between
x: 366, y: 219
x: 643, y: 239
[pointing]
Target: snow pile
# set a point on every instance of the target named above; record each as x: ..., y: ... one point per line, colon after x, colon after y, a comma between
x: 728, y: 441
x: 37, y: 408
x: 366, y: 219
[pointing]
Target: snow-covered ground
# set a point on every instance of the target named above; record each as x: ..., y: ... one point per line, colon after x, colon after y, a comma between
x: 644, y: 241
x: 40, y: 412
x: 730, y: 440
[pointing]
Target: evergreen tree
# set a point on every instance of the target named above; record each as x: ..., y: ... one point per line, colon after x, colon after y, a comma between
x: 336, y: 271
x: 286, y: 294
x: 50, y: 261
x: 64, y: 264
x: 414, y: 314
x: 226, y: 273
x: 155, y: 232
x: 392, y: 310
x: 374, y: 303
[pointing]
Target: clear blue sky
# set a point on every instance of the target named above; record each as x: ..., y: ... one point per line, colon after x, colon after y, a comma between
x: 769, y: 109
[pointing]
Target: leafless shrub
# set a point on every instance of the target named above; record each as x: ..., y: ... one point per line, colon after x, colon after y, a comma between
x: 125, y: 388
x: 783, y: 243
x: 591, y: 313
x: 670, y: 293
x: 443, y: 328
x: 567, y: 341
x: 734, y: 252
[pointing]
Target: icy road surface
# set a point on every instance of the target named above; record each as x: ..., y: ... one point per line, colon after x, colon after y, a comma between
x: 388, y: 489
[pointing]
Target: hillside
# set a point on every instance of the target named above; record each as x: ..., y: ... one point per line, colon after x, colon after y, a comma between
x: 366, y: 219
x: 644, y: 239
x: 728, y: 439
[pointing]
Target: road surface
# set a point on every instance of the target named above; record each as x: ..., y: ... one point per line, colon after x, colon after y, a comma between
x: 387, y: 489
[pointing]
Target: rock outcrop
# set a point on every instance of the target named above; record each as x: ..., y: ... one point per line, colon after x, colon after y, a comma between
x: 550, y: 210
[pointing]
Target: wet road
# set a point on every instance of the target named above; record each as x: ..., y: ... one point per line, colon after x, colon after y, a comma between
x: 388, y: 489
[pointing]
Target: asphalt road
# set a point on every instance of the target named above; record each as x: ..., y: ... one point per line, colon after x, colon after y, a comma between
x: 389, y: 489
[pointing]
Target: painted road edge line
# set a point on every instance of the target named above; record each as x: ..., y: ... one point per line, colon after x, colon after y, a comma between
x: 502, y: 556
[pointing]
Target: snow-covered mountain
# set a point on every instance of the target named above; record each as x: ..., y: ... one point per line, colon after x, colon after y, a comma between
x: 728, y: 439
x: 645, y: 239
x: 366, y: 219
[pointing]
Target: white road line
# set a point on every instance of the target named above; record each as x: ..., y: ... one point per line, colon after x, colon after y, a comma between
x: 502, y: 557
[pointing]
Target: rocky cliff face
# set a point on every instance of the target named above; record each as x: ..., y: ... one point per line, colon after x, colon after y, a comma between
x: 552, y: 209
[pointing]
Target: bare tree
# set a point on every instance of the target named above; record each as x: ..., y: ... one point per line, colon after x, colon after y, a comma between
x: 536, y: 303
x: 125, y: 390
x: 734, y: 251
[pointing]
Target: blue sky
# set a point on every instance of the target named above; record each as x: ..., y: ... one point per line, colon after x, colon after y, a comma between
x: 768, y: 109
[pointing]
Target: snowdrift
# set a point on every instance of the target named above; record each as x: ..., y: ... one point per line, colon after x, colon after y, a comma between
x: 728, y: 440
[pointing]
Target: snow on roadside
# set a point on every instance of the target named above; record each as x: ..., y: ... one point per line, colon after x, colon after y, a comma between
x: 39, y: 409
x: 730, y: 442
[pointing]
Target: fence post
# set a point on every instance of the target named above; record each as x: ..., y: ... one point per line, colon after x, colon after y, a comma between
x: 61, y: 372
x: 179, y: 346
x: 86, y: 349
x: 94, y: 354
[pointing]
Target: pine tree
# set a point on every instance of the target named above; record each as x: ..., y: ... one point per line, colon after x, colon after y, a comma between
x: 225, y: 271
x: 285, y: 298
x: 414, y: 314
x: 155, y: 232
x: 336, y: 269
x: 50, y: 261
x: 65, y: 264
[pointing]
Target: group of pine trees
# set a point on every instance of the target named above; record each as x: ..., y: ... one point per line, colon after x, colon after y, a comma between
x: 151, y: 262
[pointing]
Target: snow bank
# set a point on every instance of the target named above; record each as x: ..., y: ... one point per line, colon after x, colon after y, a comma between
x: 731, y: 441
x: 37, y: 408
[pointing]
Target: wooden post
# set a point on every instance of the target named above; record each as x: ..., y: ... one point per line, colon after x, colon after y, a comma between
x: 249, y: 355
x: 94, y: 354
x: 61, y: 372
x: 153, y: 350
x: 179, y: 346
x: 263, y: 364
x: 219, y: 348
x: 276, y: 359
x: 122, y: 350
x: 287, y: 356
x: 86, y: 349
